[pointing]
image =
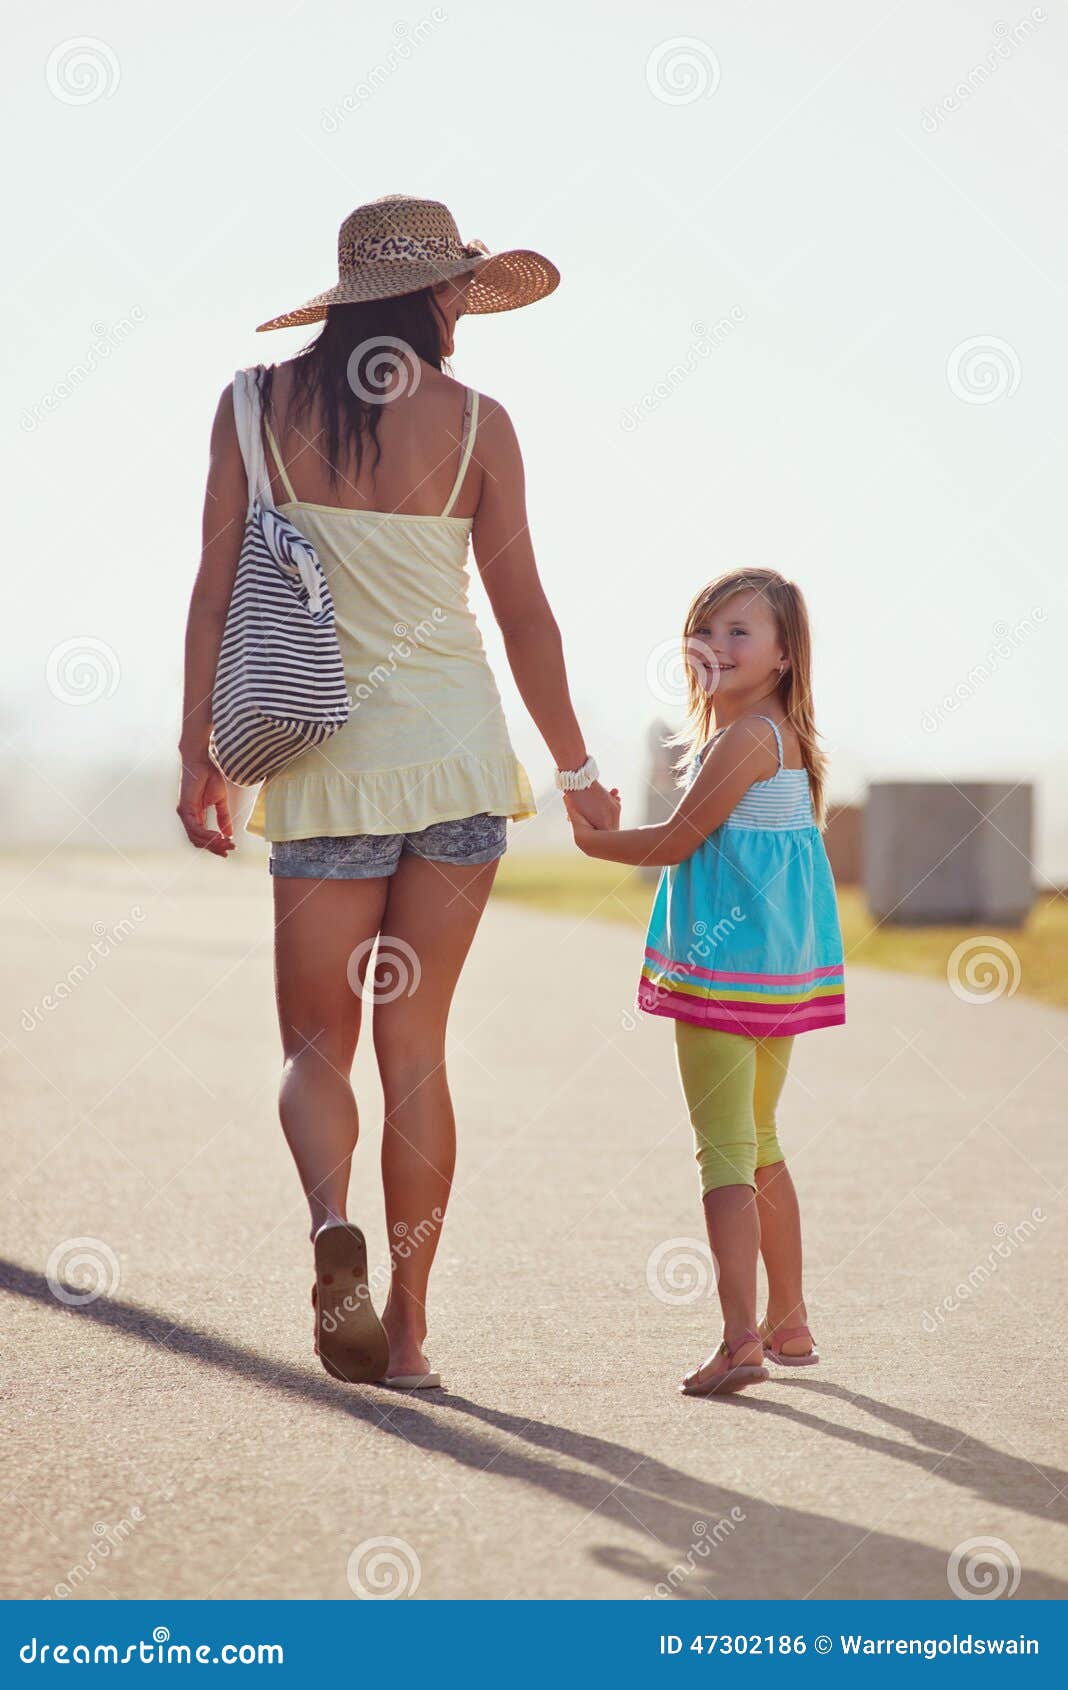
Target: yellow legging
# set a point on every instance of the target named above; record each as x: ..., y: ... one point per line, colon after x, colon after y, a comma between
x: 732, y: 1085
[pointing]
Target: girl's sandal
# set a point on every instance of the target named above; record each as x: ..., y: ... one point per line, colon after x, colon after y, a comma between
x: 734, y: 1378
x: 774, y: 1341
x: 350, y: 1340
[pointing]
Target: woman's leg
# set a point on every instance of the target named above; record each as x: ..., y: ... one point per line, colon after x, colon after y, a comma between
x: 717, y: 1074
x: 431, y: 916
x: 323, y: 930
x: 780, y: 1217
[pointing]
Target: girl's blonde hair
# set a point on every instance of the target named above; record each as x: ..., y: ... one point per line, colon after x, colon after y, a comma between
x: 794, y: 691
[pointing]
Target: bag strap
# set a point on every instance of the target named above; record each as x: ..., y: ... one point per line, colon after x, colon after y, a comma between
x: 470, y: 426
x: 247, y: 422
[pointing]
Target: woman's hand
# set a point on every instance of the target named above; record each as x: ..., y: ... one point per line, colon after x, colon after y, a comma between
x: 204, y: 788
x: 581, y: 830
x: 593, y: 806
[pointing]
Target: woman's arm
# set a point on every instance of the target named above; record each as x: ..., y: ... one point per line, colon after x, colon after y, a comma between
x: 745, y: 753
x: 225, y: 504
x: 505, y: 557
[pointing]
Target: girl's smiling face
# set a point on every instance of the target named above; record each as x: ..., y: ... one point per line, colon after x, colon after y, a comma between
x: 736, y: 648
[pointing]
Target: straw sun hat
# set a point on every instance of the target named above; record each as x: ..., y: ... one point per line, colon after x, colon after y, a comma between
x: 398, y: 244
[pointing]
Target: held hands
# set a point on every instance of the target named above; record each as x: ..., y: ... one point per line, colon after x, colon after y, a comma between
x: 204, y: 788
x: 592, y: 810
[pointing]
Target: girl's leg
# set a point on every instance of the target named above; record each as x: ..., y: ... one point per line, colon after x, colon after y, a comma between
x: 717, y: 1074
x: 431, y: 916
x: 780, y: 1217
x: 319, y: 924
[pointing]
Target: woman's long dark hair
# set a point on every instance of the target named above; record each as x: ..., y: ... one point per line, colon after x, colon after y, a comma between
x: 345, y: 369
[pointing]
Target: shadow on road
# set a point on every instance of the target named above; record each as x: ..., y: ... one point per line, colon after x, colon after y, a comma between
x: 960, y: 1458
x: 707, y: 1538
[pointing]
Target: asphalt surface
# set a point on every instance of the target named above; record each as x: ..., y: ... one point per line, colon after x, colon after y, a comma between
x: 175, y: 1436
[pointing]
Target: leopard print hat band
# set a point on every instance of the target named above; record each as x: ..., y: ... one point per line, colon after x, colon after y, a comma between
x: 398, y: 244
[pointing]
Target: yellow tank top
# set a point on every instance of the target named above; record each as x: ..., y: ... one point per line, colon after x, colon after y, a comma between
x: 426, y: 740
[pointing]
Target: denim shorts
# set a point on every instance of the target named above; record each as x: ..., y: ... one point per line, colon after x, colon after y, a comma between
x: 369, y: 856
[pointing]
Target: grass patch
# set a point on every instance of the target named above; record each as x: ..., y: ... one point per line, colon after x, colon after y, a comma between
x: 581, y: 887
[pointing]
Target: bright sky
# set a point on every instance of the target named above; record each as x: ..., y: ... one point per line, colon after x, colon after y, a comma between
x: 868, y: 201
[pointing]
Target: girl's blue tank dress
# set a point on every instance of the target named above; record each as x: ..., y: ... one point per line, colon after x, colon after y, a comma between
x: 744, y: 934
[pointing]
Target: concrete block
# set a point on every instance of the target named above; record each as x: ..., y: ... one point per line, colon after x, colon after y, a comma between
x: 841, y: 841
x: 941, y: 853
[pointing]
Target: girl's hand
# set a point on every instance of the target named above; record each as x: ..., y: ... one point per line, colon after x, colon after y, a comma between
x: 585, y: 836
x: 593, y: 807
x: 204, y: 788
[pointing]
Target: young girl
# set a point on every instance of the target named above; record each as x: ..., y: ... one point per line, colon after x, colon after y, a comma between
x: 744, y: 949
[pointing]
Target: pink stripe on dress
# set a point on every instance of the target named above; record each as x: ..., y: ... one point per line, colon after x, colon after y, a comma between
x: 749, y: 1019
x: 742, y: 979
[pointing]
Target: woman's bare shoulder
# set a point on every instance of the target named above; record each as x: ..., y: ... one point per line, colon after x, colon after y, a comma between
x: 496, y: 441
x: 491, y: 410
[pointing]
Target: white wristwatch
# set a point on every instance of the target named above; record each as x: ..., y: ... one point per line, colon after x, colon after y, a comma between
x: 576, y: 780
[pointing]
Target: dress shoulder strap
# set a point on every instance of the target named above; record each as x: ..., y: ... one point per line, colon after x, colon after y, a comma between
x: 470, y: 427
x: 279, y: 465
x: 778, y: 735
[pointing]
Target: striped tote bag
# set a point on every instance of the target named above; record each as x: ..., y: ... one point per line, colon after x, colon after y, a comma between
x: 280, y: 683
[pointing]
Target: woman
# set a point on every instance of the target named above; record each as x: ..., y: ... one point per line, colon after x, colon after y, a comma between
x: 393, y: 829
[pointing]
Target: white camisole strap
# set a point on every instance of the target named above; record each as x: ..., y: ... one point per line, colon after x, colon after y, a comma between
x: 282, y: 471
x: 470, y: 426
x: 778, y: 735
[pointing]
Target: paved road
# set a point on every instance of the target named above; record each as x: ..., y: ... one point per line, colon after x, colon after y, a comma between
x: 175, y: 1436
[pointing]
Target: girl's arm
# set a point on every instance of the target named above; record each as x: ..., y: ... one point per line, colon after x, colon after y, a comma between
x: 505, y: 557
x: 745, y: 753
